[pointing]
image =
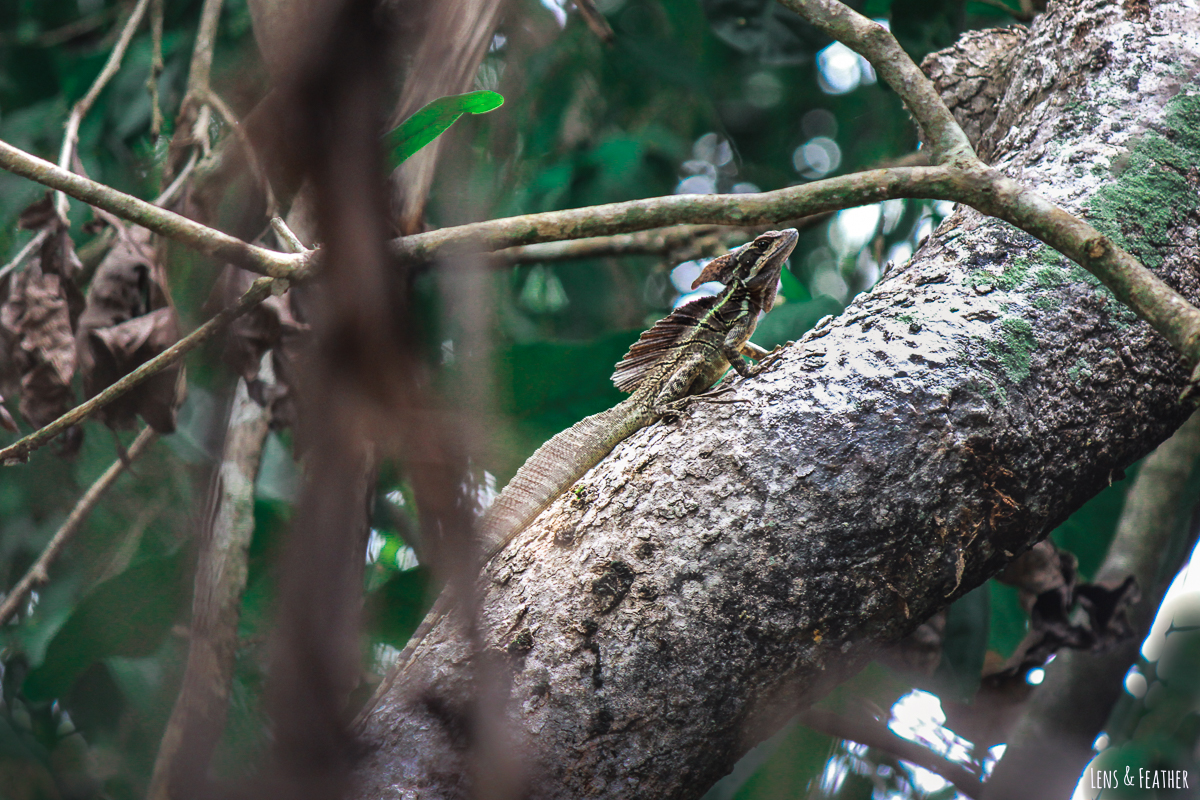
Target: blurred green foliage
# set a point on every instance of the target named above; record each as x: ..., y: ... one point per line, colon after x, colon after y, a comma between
x: 715, y: 95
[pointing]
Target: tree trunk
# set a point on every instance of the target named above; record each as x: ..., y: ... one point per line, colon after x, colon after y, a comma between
x: 715, y: 575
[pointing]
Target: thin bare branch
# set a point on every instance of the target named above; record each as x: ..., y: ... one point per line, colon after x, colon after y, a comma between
x: 220, y: 246
x: 875, y: 734
x: 678, y: 241
x: 256, y: 167
x: 38, y: 574
x: 156, y: 66
x: 948, y: 143
x: 168, y: 194
x: 25, y: 252
x: 19, y: 451
x: 202, y: 52
x: 200, y: 709
x: 739, y: 210
x: 287, y: 237
x: 71, y: 136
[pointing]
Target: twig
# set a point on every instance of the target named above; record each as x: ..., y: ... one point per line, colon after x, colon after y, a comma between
x: 702, y: 240
x: 874, y: 734
x: 595, y: 20
x: 156, y: 66
x: 71, y: 136
x: 200, y: 709
x: 19, y: 451
x: 209, y: 241
x: 876, y: 44
x: 202, y: 52
x: 738, y: 210
x: 29, y: 247
x: 248, y: 148
x: 290, y: 241
x: 168, y: 194
x: 38, y: 574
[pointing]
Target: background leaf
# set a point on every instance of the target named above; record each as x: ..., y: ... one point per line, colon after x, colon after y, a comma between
x: 434, y: 119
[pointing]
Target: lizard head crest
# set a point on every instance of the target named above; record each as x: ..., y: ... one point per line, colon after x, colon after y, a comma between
x: 757, y: 263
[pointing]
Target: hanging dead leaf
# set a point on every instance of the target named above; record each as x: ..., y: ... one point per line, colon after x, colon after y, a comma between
x: 127, y: 321
x: 36, y: 322
x: 118, y: 350
x: 38, y: 214
x: 272, y: 325
x: 40, y: 308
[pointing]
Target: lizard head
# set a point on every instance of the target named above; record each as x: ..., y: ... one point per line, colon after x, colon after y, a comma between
x: 757, y: 264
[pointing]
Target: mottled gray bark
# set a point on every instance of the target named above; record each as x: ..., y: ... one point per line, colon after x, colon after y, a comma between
x: 1051, y: 744
x: 715, y: 575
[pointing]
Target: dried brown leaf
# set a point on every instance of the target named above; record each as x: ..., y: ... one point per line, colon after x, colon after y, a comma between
x: 36, y: 322
x: 272, y: 326
x: 38, y: 214
x: 116, y: 351
x: 127, y: 321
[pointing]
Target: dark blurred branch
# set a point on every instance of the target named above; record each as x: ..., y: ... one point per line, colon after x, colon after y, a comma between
x: 209, y: 241
x: 38, y: 574
x: 80, y: 109
x: 875, y: 733
x: 19, y: 451
x: 1052, y: 742
x: 200, y: 709
x: 596, y: 21
x: 252, y: 159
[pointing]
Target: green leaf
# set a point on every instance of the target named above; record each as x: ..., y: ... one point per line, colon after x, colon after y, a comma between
x: 124, y: 616
x: 432, y: 121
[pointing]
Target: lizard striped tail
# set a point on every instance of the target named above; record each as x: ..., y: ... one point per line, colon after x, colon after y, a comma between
x: 552, y: 469
x: 545, y: 475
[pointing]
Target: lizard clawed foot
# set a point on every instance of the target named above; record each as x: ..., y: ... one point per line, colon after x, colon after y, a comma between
x: 770, y: 359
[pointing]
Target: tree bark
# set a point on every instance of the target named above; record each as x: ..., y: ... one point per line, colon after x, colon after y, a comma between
x: 716, y: 575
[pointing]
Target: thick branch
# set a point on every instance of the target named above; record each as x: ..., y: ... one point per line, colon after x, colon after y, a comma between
x: 19, y: 451
x: 206, y: 240
x: 995, y: 194
x: 39, y: 573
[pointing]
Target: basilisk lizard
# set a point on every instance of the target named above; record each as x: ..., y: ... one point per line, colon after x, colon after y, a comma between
x: 684, y: 354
